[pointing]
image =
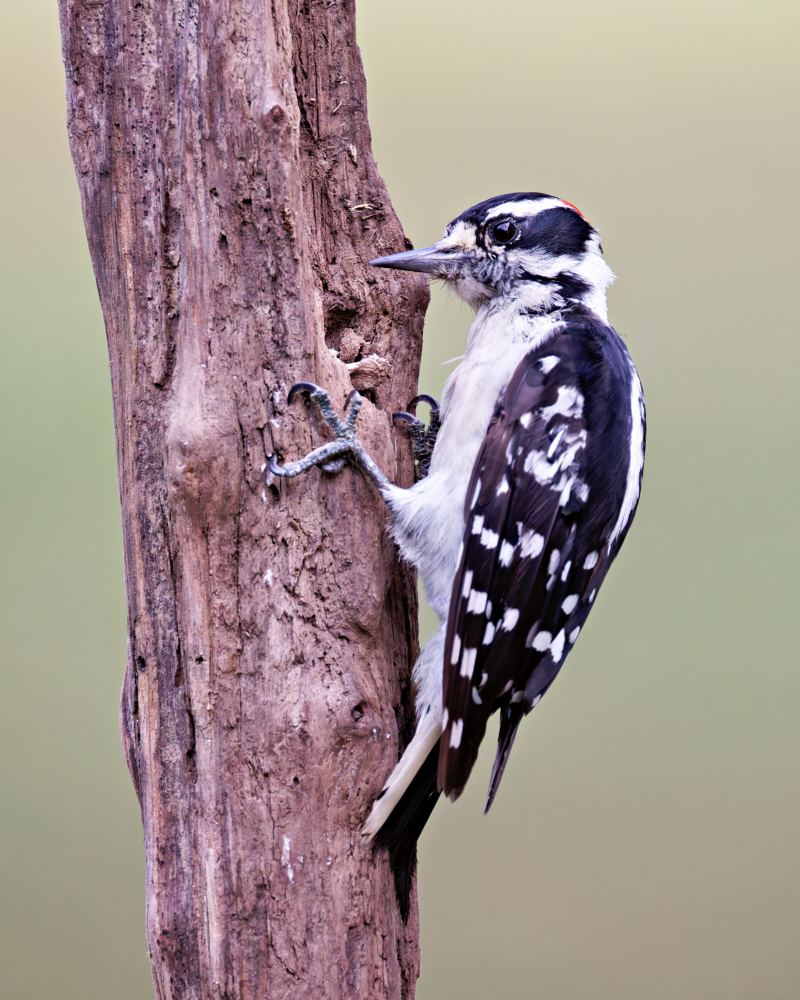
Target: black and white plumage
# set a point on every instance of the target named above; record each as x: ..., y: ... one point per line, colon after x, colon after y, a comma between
x: 542, y: 526
x: 533, y: 483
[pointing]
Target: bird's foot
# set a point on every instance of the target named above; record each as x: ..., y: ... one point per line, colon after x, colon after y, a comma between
x: 422, y: 438
x: 332, y: 456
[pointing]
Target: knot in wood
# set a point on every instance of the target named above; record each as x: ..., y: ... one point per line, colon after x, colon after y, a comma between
x: 276, y: 116
x: 204, y: 470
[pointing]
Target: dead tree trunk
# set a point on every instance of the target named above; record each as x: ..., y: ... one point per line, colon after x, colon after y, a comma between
x: 231, y: 203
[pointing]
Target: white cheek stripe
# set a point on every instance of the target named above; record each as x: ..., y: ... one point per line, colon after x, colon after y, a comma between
x: 636, y: 459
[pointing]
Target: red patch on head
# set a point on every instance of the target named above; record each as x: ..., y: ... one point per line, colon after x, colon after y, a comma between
x: 575, y: 208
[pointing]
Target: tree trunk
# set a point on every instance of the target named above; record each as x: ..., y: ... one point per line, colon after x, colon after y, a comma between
x: 231, y: 203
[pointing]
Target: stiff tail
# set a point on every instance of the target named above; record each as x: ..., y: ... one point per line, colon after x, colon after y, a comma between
x: 402, y: 809
x: 400, y: 832
x: 425, y: 738
x: 510, y: 718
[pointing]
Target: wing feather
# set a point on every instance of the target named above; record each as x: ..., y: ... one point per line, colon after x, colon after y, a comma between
x: 535, y: 552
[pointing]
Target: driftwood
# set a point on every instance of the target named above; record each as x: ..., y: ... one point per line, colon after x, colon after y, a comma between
x: 231, y: 203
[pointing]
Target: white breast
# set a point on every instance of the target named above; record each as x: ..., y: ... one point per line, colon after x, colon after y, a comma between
x: 429, y: 517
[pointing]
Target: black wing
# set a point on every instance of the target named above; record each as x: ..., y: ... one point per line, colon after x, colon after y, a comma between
x: 543, y: 514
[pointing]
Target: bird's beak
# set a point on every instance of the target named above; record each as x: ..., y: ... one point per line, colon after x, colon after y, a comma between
x: 428, y: 260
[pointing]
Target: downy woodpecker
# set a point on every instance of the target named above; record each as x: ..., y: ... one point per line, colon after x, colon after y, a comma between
x: 532, y: 486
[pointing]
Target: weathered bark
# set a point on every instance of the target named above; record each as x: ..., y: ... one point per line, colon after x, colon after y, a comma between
x: 231, y: 203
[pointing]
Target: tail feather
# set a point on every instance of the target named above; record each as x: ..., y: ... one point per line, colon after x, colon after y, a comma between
x: 401, y: 831
x: 425, y: 738
x: 510, y: 719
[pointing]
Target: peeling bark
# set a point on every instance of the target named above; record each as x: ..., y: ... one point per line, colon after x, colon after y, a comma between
x: 231, y: 203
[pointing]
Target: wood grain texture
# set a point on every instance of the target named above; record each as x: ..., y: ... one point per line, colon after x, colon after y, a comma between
x: 231, y: 204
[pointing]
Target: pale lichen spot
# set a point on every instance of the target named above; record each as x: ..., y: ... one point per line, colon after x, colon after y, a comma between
x: 286, y: 854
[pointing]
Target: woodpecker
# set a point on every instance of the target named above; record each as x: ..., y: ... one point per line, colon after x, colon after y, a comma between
x: 531, y: 488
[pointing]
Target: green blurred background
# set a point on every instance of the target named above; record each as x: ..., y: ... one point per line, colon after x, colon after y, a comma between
x: 644, y: 843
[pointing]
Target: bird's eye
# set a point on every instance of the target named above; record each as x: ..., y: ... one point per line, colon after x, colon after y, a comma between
x: 503, y: 232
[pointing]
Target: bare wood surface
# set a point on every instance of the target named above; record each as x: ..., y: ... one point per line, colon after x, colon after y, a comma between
x: 231, y: 203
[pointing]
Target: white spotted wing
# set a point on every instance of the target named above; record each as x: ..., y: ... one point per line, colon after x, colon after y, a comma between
x: 543, y: 498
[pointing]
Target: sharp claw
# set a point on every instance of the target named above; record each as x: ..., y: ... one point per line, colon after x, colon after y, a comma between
x: 409, y: 418
x: 352, y: 402
x: 301, y: 387
x: 425, y: 398
x: 272, y: 464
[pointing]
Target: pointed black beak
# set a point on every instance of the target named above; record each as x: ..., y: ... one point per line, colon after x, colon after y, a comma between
x: 428, y: 260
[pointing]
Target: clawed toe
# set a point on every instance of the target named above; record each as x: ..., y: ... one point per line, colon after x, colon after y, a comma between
x: 299, y: 387
x: 408, y: 418
x: 425, y: 398
x: 422, y: 438
x: 330, y: 457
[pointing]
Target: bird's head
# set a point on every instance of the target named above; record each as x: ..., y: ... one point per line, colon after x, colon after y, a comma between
x: 534, y: 249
